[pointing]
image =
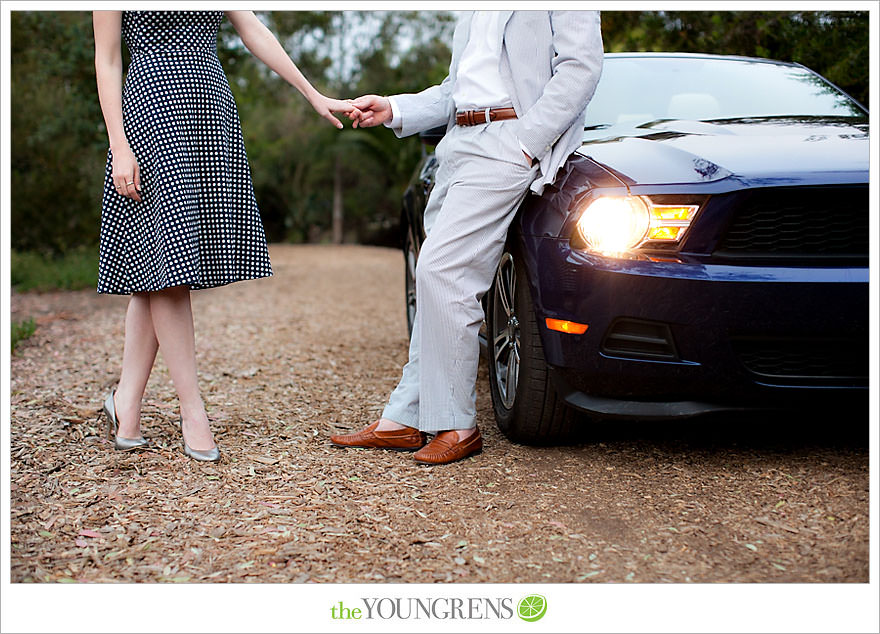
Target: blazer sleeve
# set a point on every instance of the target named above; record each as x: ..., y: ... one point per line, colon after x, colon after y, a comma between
x: 425, y: 110
x: 577, y: 65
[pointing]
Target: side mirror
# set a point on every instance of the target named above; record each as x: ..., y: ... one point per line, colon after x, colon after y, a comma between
x: 433, y: 136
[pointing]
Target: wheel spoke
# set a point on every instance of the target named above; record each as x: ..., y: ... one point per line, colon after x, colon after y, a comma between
x: 509, y: 378
x: 411, y: 261
x: 502, y: 352
x: 512, y: 371
x: 505, y: 290
x: 410, y: 283
x: 502, y: 297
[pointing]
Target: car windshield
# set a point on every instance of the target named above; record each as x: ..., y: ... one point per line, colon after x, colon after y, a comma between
x: 637, y: 90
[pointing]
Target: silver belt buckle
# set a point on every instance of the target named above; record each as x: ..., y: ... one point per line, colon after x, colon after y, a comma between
x: 487, y: 115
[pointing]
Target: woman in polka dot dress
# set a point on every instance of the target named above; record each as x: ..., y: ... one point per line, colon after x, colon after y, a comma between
x: 179, y: 211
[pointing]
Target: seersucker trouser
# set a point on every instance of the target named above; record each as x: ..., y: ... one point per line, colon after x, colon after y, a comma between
x: 482, y: 177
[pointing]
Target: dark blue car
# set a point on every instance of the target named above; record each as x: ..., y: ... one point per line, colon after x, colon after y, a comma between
x: 705, y: 250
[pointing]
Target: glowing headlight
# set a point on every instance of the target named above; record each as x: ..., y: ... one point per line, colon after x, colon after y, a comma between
x: 613, y: 225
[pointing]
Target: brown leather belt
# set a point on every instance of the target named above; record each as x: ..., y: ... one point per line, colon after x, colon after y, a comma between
x: 477, y: 117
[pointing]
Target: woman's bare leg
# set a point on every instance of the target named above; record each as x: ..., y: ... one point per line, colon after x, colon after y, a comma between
x: 171, y: 311
x: 138, y: 357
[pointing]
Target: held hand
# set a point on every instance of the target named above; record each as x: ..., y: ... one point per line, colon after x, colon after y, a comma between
x: 126, y: 173
x: 375, y: 110
x: 325, y: 106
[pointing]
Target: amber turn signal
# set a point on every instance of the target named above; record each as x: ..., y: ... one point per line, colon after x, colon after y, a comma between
x: 669, y: 222
x: 570, y: 327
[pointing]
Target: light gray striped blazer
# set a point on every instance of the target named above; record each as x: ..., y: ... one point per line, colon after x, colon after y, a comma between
x: 550, y: 62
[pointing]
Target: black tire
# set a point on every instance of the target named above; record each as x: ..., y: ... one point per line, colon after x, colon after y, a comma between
x: 527, y: 408
x: 409, y: 260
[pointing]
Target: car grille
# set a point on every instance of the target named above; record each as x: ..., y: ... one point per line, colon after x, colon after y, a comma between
x: 806, y: 358
x: 812, y: 223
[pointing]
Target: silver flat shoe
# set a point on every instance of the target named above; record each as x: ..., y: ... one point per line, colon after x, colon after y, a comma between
x: 119, y: 443
x: 207, y: 455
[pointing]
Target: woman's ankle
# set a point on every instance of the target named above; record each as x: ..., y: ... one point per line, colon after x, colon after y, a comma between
x: 194, y: 413
x: 128, y: 414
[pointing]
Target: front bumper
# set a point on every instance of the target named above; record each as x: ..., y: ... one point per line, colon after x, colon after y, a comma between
x: 723, y: 321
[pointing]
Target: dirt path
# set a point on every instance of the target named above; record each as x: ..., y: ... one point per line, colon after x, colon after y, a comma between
x: 287, y: 361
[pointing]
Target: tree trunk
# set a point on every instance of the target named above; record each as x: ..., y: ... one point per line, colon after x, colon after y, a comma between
x: 337, y: 201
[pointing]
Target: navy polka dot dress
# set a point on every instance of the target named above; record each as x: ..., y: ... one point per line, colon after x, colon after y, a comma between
x: 198, y: 224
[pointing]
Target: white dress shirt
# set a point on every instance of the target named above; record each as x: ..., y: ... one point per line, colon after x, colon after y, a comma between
x: 478, y: 82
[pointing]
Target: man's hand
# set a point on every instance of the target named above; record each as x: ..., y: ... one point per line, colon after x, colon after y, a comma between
x: 374, y: 110
x: 528, y: 158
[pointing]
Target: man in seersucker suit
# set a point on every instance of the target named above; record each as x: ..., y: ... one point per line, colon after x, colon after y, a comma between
x: 513, y: 105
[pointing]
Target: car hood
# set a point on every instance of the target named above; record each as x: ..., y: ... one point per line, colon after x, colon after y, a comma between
x: 758, y: 152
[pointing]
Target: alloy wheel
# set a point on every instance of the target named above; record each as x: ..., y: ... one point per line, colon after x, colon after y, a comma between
x: 505, y: 335
x: 410, y: 256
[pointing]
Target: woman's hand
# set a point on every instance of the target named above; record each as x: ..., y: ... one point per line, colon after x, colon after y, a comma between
x: 108, y: 70
x: 260, y: 41
x: 375, y: 110
x: 325, y: 106
x: 126, y: 173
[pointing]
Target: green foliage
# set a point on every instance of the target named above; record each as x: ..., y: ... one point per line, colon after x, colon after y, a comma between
x: 59, y: 143
x: 36, y: 271
x: 22, y: 330
x: 293, y: 154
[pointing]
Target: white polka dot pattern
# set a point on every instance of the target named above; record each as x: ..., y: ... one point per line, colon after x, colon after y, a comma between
x: 198, y: 224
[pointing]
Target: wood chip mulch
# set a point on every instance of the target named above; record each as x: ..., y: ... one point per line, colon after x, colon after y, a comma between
x: 284, y: 363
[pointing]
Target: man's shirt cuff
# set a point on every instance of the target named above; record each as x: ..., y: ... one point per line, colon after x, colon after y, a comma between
x: 395, y: 121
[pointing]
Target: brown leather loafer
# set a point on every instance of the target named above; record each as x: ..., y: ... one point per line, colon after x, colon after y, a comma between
x: 447, y: 448
x: 406, y: 439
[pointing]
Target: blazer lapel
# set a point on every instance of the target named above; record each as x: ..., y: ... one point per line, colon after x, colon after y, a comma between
x: 504, y: 63
x: 505, y: 18
x: 460, y: 38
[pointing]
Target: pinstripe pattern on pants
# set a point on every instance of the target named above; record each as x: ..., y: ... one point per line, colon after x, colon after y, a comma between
x: 482, y: 177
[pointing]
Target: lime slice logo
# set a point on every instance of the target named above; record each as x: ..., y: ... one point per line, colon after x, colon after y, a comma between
x: 532, y: 608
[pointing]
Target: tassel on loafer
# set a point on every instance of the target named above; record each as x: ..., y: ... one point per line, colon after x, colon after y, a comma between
x: 206, y: 455
x: 119, y: 443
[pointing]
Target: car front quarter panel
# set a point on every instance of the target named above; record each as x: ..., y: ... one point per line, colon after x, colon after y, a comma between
x: 706, y: 306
